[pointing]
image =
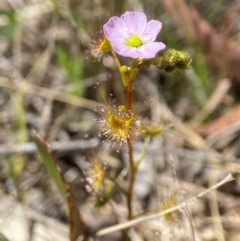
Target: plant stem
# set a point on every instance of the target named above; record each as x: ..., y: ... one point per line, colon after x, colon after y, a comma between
x: 116, y: 60
x: 132, y: 178
x: 129, y: 92
x: 129, y: 97
x: 144, y: 151
x: 130, y: 154
x: 118, y: 63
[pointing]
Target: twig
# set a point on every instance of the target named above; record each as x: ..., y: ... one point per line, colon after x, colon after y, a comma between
x: 157, y: 215
x: 30, y: 147
x: 215, y: 209
x: 48, y: 93
x: 215, y: 99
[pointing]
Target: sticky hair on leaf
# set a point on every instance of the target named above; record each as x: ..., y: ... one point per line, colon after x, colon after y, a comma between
x: 100, y: 186
x: 117, y: 124
x: 154, y: 130
x: 170, y: 202
x: 99, y: 45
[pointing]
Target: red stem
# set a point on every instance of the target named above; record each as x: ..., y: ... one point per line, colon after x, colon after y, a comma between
x: 132, y: 178
x: 129, y: 93
x: 129, y: 97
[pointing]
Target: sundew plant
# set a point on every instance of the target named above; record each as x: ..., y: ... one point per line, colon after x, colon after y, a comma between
x: 117, y: 117
x: 130, y: 38
x: 133, y: 37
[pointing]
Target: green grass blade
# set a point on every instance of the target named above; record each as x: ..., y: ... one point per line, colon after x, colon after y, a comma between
x: 2, y: 237
x: 50, y: 164
x: 76, y: 224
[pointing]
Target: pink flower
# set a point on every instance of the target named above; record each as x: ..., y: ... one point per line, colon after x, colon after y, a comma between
x: 132, y: 36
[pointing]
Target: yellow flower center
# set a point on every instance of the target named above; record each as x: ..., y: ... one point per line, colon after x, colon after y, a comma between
x: 134, y: 41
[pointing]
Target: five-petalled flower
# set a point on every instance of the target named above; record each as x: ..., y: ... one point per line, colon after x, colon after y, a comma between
x: 132, y: 36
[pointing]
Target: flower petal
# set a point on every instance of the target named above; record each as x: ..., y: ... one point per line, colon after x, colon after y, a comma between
x: 136, y: 22
x: 152, y: 30
x: 125, y: 51
x: 133, y: 24
x: 116, y: 29
x: 149, y: 50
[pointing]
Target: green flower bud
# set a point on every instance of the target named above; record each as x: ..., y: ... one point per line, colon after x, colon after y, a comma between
x: 174, y: 59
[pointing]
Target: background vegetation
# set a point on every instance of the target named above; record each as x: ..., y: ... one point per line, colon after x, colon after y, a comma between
x: 51, y: 83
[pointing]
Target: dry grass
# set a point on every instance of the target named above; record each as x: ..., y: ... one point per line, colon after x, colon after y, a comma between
x: 49, y: 82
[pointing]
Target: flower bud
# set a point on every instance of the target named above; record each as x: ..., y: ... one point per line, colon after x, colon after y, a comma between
x: 174, y: 59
